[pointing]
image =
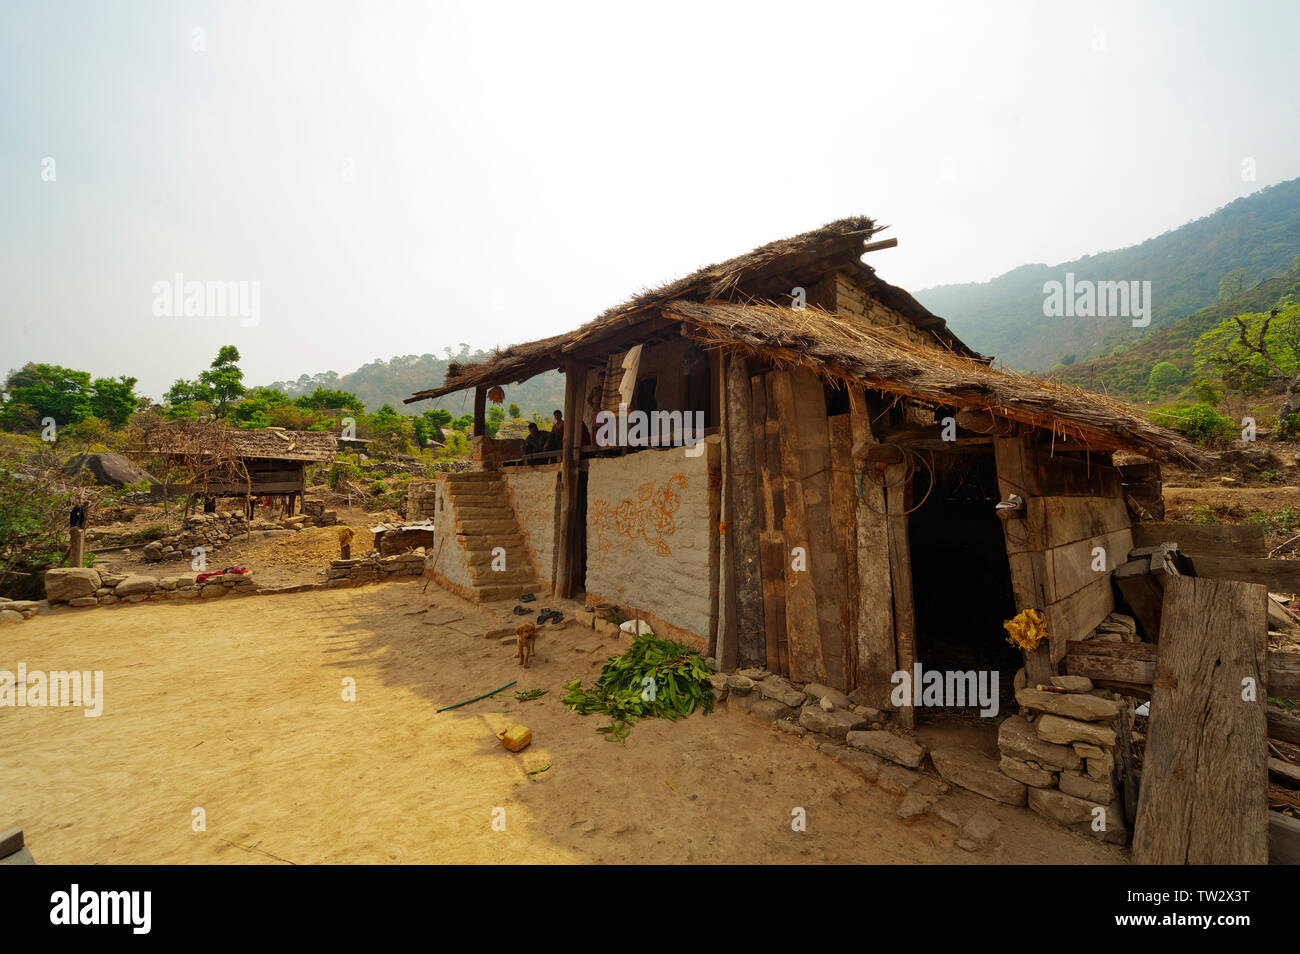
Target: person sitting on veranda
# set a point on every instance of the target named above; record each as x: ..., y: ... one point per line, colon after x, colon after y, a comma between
x: 555, y: 440
x: 535, y: 442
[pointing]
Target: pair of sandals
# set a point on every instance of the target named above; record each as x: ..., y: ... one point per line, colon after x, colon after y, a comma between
x: 549, y: 616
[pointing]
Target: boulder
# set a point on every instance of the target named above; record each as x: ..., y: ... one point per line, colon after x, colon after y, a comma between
x: 769, y: 710
x: 865, y: 764
x: 10, y: 616
x: 896, y: 779
x: 84, y: 601
x: 837, y: 723
x: 65, y: 584
x: 1084, y: 707
x: 740, y: 685
x: 135, y: 584
x: 1017, y: 738
x: 108, y: 470
x: 1072, y: 683
x: 1079, y: 815
x: 885, y: 744
x: 977, y: 831
x: 1053, y: 728
x: 969, y: 769
x: 1086, y: 751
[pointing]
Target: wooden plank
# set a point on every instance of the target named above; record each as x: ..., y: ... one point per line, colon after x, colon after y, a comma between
x: 775, y: 560
x: 898, y: 498
x: 727, y: 651
x: 1078, y: 614
x: 1211, y: 540
x: 1145, y: 597
x: 1059, y: 476
x: 743, y: 521
x: 1284, y: 772
x: 1022, y: 533
x: 814, y: 463
x: 1205, y: 777
x: 1073, y: 566
x: 876, y: 653
x: 1114, y: 662
x: 803, y: 631
x: 770, y: 575
x: 1280, y: 576
x: 843, y: 507
x: 1283, y: 839
x: 1284, y: 675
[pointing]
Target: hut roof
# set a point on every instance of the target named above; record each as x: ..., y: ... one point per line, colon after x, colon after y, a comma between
x: 269, y: 443
x: 273, y: 443
x: 836, y: 245
x: 841, y: 348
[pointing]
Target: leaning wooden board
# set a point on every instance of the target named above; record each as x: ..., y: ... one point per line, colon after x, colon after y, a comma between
x: 1280, y: 576
x: 1246, y: 540
x: 1205, y: 773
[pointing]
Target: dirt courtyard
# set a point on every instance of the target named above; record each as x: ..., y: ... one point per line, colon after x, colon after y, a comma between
x: 238, y: 709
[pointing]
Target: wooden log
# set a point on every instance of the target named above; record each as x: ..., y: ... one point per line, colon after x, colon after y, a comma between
x: 775, y: 545
x: 480, y: 412
x: 897, y: 499
x: 1280, y: 576
x: 843, y: 508
x: 803, y: 631
x: 985, y: 422
x: 1283, y: 726
x: 743, y: 516
x: 772, y: 620
x: 1284, y: 675
x: 1205, y: 777
x: 1211, y: 540
x: 877, y: 655
x: 1284, y: 772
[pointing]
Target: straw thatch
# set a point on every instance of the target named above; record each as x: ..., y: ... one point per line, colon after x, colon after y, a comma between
x: 270, y: 443
x: 836, y: 245
x: 841, y: 348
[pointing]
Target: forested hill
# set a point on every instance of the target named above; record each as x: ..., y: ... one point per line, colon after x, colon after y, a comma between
x: 390, y: 382
x: 1004, y: 317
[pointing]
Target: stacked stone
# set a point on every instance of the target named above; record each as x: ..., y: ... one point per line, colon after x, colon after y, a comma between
x: 372, y: 569
x: 15, y: 611
x: 1064, y: 747
x: 102, y: 587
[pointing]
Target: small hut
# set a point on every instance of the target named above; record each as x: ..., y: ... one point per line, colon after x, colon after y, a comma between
x: 788, y: 462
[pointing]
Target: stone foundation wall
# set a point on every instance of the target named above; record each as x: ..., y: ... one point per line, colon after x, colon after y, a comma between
x: 533, y: 492
x: 648, y: 533
x: 447, y: 561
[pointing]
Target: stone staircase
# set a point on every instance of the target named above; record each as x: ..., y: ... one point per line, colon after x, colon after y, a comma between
x: 486, y: 520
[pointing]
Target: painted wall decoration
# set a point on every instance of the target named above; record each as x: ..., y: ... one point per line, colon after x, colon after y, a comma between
x: 649, y: 517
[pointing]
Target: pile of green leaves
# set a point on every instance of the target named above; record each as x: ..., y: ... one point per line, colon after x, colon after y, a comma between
x: 654, y: 678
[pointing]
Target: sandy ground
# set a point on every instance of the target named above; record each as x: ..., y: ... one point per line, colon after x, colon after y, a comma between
x: 237, y: 709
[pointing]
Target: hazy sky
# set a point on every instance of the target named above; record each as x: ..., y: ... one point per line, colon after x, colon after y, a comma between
x: 400, y: 178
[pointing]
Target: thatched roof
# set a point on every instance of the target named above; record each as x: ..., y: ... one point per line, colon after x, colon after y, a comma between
x: 268, y: 443
x: 841, y: 348
x: 836, y: 245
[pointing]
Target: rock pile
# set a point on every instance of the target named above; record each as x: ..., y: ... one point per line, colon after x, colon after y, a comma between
x: 210, y: 531
x: 1063, y: 750
x: 370, y: 569
x: 102, y: 587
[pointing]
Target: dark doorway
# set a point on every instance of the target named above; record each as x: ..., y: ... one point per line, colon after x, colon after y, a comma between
x: 961, y: 579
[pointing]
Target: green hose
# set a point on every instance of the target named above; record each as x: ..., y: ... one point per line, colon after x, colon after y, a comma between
x: 477, y: 698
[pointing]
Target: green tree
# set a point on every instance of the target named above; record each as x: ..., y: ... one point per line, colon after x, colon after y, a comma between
x: 1234, y: 283
x: 223, y: 379
x: 114, y: 399
x: 324, y: 399
x: 1251, y: 351
x: 1165, y: 376
x: 514, y: 411
x: 495, y: 417
x: 47, y: 390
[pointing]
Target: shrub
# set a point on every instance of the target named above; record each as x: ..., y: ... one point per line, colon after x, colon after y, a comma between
x: 1199, y: 423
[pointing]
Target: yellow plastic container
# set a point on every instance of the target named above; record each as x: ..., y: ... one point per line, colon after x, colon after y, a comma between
x: 516, y: 737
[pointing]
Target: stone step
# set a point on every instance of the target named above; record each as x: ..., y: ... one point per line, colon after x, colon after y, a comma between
x: 522, y: 577
x: 467, y: 476
x: 487, y: 528
x: 490, y: 594
x: 500, y: 512
x: 515, y: 556
x: 486, y: 541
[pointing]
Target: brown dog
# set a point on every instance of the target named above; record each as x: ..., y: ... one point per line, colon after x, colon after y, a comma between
x: 525, y: 633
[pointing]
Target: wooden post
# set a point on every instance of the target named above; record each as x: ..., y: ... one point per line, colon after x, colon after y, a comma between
x: 76, y: 552
x: 877, y: 657
x: 1205, y: 770
x: 897, y: 499
x: 767, y: 461
x: 480, y: 412
x: 567, y: 546
x: 742, y: 516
